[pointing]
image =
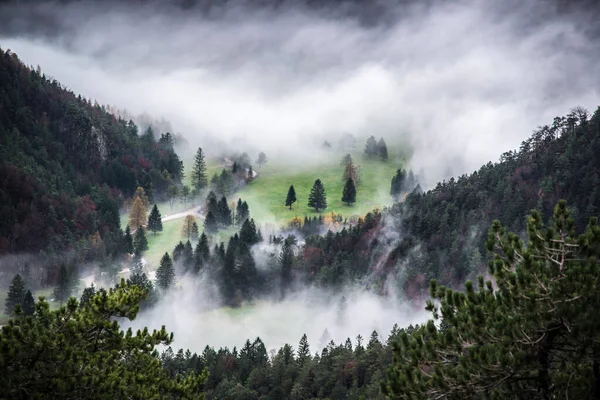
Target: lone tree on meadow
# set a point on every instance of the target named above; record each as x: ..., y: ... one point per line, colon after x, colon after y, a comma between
x: 371, y: 149
x: 349, y: 193
x: 165, y: 274
x: 199, y: 179
x: 291, y: 197
x: 16, y: 294
x: 187, y: 230
x: 382, y: 150
x: 317, y: 198
x: 262, y: 159
x: 155, y: 220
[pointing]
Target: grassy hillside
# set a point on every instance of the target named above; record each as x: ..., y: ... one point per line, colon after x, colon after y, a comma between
x: 266, y: 195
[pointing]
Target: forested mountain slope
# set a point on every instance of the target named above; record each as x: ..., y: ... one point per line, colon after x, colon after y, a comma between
x: 445, y: 228
x: 65, y: 165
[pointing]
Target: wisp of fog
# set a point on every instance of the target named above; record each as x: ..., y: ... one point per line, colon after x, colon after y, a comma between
x: 460, y: 81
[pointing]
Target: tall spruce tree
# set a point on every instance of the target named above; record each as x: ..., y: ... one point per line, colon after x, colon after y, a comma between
x: 224, y: 213
x: 250, y: 174
x: 382, y: 150
x: 303, y: 351
x: 201, y: 253
x: 199, y: 179
x: 140, y: 242
x: 398, y: 184
x: 155, y: 220
x: 291, y: 197
x: 128, y: 241
x: 317, y: 198
x: 211, y: 226
x: 195, y: 231
x: 16, y: 294
x: 165, y: 274
x: 349, y: 194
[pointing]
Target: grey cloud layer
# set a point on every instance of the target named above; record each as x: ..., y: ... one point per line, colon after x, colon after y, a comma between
x: 463, y: 81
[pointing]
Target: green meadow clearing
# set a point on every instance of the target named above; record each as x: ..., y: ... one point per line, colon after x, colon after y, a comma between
x: 266, y: 194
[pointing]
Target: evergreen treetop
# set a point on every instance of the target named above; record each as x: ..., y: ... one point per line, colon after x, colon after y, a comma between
x: 155, y: 220
x: 317, y: 198
x: 291, y: 197
x: 199, y: 179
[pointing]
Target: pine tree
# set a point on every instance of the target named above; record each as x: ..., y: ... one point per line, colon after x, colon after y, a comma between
x: 128, y: 240
x: 211, y: 225
x: 242, y: 212
x: 16, y: 294
x: 317, y: 198
x: 188, y: 257
x: 286, y: 262
x: 371, y: 147
x: 137, y: 215
x: 223, y: 213
x: 262, y: 159
x: 165, y: 274
x: 28, y: 304
x: 398, y: 184
x: 528, y: 334
x: 212, y: 204
x: 172, y: 194
x: 87, y: 294
x: 248, y: 233
x: 199, y: 180
x: 349, y: 194
x: 137, y: 267
x: 187, y: 229
x: 250, y: 173
x: 291, y: 197
x: 234, y: 168
x: 140, y: 243
x: 303, y: 351
x: 185, y: 195
x: 201, y: 253
x: 238, y: 213
x: 178, y: 252
x: 195, y: 231
x: 155, y: 220
x: 382, y: 150
x: 82, y: 352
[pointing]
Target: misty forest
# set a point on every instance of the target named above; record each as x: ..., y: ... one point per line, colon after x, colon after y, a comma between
x: 277, y: 199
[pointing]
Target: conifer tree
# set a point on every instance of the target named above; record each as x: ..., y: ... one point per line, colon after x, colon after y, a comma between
x: 303, y: 351
x: 212, y: 204
x: 87, y: 294
x: 165, y: 274
x: 250, y: 173
x: 16, y: 294
x: 178, y: 251
x: 128, y: 240
x: 382, y: 150
x: 238, y: 213
x: 371, y: 147
x: 248, y: 232
x: 528, y: 334
x: 28, y: 304
x: 347, y: 159
x: 188, y: 257
x: 349, y: 194
x: 398, y: 184
x: 201, y: 253
x: 211, y: 225
x: 172, y: 194
x: 67, y: 283
x: 155, y: 220
x: 223, y: 212
x: 242, y: 212
x: 195, y: 231
x: 140, y: 242
x: 317, y: 198
x: 262, y: 159
x: 286, y: 261
x: 199, y: 180
x: 291, y: 197
x: 185, y: 195
x: 81, y: 352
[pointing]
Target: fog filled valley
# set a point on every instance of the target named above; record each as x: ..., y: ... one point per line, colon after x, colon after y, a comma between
x: 299, y: 200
